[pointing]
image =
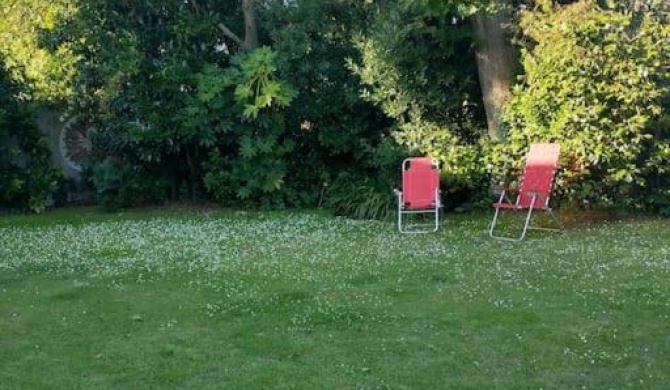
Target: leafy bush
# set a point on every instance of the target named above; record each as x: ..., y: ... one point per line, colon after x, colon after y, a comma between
x: 423, y: 75
x: 27, y: 175
x: 368, y: 194
x: 169, y: 100
x: 119, y: 185
x: 42, y: 65
x: 360, y: 197
x: 138, y: 69
x: 333, y: 128
x: 595, y: 81
x: 254, y: 165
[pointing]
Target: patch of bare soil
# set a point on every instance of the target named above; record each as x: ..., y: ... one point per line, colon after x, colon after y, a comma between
x: 571, y: 218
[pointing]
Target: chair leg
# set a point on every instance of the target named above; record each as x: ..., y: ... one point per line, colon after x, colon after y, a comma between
x: 494, y: 222
x: 424, y: 227
x: 400, y: 213
x: 558, y: 222
x: 559, y: 226
x: 438, y: 207
x: 402, y: 224
x: 525, y: 226
x: 495, y: 216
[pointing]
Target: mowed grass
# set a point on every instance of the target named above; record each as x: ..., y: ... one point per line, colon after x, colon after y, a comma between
x: 191, y: 300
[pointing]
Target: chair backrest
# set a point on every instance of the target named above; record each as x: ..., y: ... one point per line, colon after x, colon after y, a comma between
x: 538, y: 175
x: 420, y: 182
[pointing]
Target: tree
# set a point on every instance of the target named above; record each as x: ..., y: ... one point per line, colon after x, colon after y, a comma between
x: 178, y: 110
x: 495, y: 59
x: 43, y: 66
x: 139, y: 67
x: 250, y: 41
x: 495, y: 64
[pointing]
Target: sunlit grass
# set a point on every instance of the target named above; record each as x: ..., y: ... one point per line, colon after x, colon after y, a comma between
x: 244, y: 300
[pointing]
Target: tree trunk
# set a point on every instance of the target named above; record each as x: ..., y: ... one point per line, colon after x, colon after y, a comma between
x: 495, y: 66
x: 250, y: 42
x: 250, y: 28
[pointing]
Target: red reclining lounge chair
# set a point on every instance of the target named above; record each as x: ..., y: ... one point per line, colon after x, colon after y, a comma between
x: 535, y: 189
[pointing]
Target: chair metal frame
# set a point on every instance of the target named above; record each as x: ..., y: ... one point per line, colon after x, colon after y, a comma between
x: 405, y: 205
x: 532, y: 198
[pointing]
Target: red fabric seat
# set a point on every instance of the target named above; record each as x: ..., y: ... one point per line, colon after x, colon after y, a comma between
x: 420, y: 192
x: 420, y: 180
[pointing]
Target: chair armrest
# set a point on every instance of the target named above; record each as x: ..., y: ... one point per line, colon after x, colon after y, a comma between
x: 503, y: 195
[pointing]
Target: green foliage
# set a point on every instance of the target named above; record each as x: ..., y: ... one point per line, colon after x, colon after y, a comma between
x: 659, y: 8
x: 418, y: 65
x: 44, y: 66
x: 140, y: 67
x: 168, y: 98
x: 441, y: 8
x: 335, y: 131
x: 108, y: 180
x: 168, y: 101
x: 253, y: 166
x: 368, y: 193
x: 27, y: 176
x: 119, y: 185
x: 360, y: 197
x: 595, y: 83
x: 256, y: 85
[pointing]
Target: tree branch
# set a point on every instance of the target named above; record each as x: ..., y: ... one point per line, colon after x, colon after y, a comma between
x: 196, y: 7
x: 250, y: 41
x: 226, y: 32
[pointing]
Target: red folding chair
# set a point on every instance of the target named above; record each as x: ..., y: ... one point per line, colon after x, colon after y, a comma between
x: 420, y: 193
x: 535, y: 189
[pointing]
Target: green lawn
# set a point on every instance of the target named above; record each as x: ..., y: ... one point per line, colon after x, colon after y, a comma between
x: 192, y: 300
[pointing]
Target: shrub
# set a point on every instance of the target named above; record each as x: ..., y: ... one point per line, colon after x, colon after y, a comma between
x: 119, y: 185
x: 360, y: 197
x: 594, y: 82
x: 27, y: 175
x: 368, y: 193
x: 252, y: 165
x: 423, y: 75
